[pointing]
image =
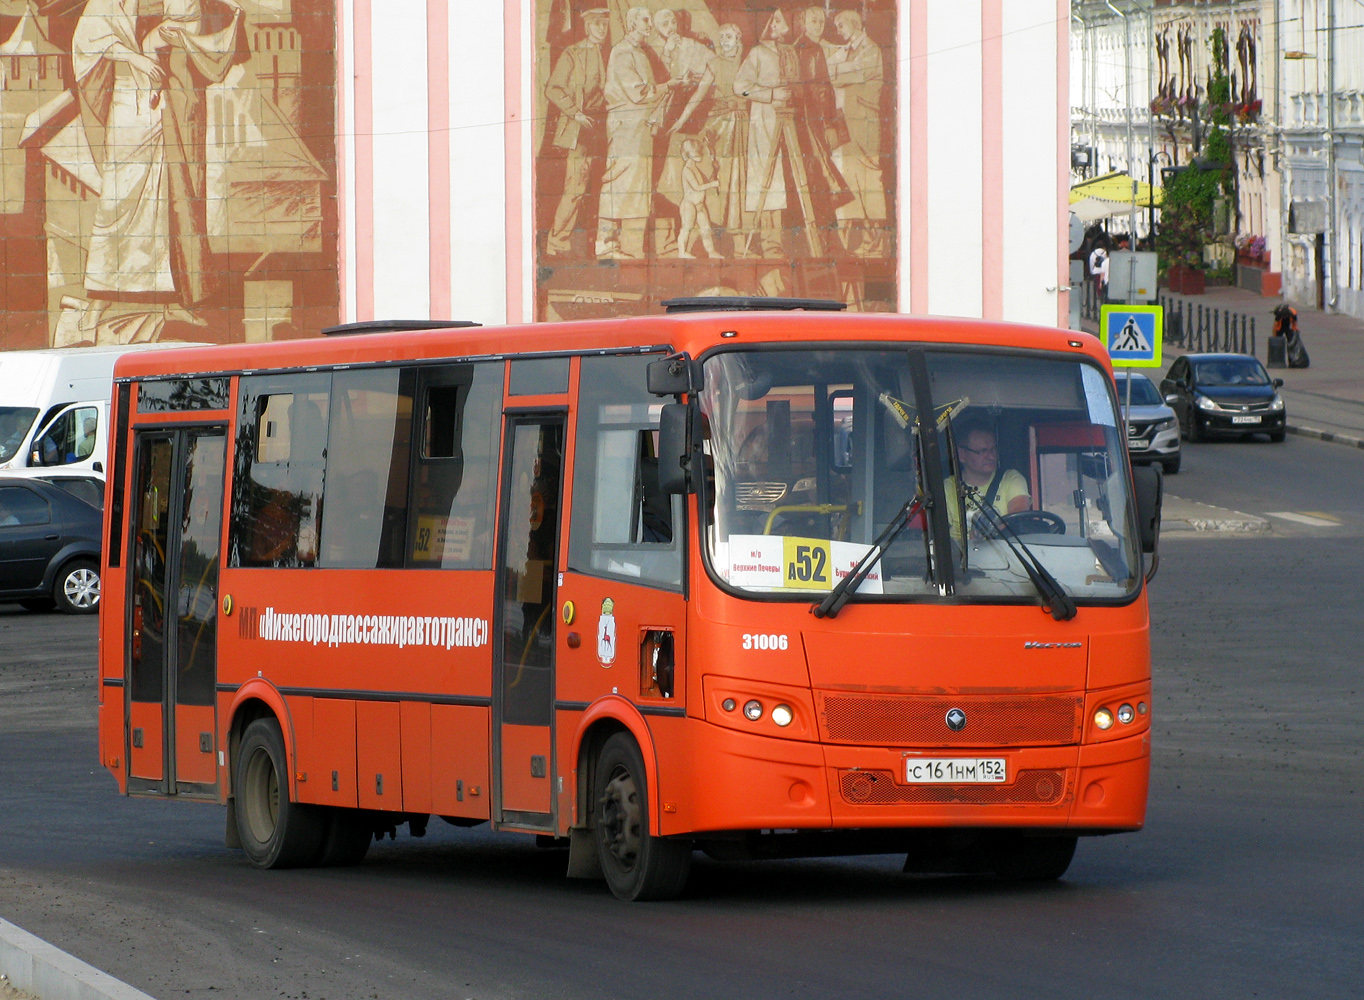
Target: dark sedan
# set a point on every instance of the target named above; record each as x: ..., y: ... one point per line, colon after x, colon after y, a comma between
x: 49, y: 547
x: 1216, y: 395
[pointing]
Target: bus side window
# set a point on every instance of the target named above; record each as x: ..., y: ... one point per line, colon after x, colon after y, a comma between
x: 280, y: 465
x: 454, y: 471
x: 623, y: 525
x: 369, y: 442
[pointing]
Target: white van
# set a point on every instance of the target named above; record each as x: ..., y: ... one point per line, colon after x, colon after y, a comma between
x: 54, y: 408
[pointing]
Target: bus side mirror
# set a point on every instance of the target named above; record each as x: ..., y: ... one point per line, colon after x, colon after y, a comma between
x: 673, y: 376
x: 1149, y: 489
x: 674, y: 449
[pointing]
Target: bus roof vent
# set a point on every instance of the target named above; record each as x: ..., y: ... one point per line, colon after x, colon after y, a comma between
x: 395, y: 326
x: 747, y: 303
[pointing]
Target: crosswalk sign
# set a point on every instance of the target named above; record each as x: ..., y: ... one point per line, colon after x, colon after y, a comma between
x: 1132, y: 334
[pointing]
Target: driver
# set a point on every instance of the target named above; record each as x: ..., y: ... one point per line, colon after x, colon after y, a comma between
x: 982, y: 476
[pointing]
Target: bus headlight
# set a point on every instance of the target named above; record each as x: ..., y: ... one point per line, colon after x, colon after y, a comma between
x: 753, y: 710
x: 1126, y: 714
x: 782, y: 715
x: 1103, y: 718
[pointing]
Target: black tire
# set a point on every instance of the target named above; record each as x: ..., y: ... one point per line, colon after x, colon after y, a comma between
x: 275, y: 832
x: 38, y: 604
x: 637, y: 864
x: 1277, y: 437
x: 347, y: 839
x: 1195, y: 428
x: 1172, y: 467
x: 1032, y: 859
x: 75, y: 591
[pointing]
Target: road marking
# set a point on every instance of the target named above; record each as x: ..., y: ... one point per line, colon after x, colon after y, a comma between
x: 1316, y: 522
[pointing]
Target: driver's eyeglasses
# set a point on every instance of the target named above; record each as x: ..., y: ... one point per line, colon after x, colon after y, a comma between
x: 989, y: 449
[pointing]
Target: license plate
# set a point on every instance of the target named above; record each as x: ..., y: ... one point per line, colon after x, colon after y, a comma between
x: 1245, y: 420
x: 955, y: 770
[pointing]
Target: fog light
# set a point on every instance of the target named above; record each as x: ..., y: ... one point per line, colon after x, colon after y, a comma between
x: 727, y: 704
x: 1125, y: 714
x: 753, y: 710
x: 781, y: 715
x: 1141, y: 708
x: 1103, y: 718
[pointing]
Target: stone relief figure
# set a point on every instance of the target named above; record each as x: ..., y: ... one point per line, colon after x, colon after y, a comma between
x: 725, y: 132
x: 142, y: 104
x: 687, y: 62
x: 576, y: 88
x: 820, y: 128
x: 857, y: 74
x: 634, y: 109
x: 765, y: 80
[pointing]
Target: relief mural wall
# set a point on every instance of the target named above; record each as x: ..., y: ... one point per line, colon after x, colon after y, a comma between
x: 693, y: 147
x: 167, y: 170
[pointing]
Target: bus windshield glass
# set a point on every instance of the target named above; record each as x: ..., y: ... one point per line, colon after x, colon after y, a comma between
x: 14, y: 424
x: 811, y: 454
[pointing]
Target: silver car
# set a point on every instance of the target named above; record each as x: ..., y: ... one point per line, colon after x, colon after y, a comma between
x: 1152, y: 427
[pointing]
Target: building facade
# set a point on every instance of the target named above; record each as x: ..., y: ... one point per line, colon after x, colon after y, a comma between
x: 1294, y: 76
x: 249, y: 170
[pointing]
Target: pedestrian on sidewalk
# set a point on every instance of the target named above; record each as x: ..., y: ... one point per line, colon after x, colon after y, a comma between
x: 1286, y: 326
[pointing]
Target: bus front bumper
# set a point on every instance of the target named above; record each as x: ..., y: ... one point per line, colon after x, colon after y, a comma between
x: 741, y: 781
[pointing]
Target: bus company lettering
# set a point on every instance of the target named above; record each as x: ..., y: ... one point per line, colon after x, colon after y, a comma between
x: 373, y: 630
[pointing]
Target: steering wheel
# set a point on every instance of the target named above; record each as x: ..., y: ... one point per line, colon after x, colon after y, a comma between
x: 1025, y: 522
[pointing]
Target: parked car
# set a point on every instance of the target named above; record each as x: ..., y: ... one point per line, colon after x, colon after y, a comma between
x: 49, y: 547
x: 1224, y: 394
x: 1152, y: 427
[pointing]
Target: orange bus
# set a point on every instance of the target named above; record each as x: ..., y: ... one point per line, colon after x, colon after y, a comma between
x: 755, y: 578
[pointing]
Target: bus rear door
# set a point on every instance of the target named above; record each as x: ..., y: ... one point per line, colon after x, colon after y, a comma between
x: 171, y: 656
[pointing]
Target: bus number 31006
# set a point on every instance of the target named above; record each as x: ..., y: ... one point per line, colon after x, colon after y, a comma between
x: 762, y: 640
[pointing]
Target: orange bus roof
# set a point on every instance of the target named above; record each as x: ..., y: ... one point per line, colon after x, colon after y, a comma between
x: 691, y: 332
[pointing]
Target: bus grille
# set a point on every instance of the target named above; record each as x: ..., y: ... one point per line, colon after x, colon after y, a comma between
x: 878, y: 788
x: 899, y: 720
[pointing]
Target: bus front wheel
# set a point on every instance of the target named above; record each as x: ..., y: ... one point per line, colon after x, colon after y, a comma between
x: 1032, y: 859
x: 638, y: 864
x: 275, y: 831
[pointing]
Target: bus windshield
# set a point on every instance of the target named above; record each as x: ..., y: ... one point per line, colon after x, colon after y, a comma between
x: 813, y: 453
x: 14, y: 424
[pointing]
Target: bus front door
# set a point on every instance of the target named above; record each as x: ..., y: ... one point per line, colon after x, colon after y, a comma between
x: 171, y: 659
x: 524, y: 633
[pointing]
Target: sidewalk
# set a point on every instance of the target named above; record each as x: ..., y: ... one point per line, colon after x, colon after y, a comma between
x: 1328, y: 397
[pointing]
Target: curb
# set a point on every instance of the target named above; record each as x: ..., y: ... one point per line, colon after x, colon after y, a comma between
x: 1349, y: 440
x: 35, y: 966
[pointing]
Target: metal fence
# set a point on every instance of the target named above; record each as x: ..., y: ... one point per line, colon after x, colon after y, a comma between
x: 1196, y: 327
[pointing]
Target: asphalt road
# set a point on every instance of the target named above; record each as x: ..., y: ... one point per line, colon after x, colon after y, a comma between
x: 1246, y: 883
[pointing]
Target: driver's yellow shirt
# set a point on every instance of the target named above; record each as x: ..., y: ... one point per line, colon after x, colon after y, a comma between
x: 1011, y: 486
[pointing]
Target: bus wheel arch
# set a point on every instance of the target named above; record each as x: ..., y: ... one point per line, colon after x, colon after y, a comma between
x: 602, y: 720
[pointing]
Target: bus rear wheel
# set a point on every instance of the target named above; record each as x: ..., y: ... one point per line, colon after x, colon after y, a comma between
x: 275, y: 831
x: 638, y: 864
x: 1032, y: 859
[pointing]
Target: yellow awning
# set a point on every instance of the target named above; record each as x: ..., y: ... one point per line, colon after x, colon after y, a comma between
x: 1117, y: 187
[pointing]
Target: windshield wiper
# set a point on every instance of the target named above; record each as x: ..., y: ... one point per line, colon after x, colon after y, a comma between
x: 1054, y: 597
x: 829, y: 607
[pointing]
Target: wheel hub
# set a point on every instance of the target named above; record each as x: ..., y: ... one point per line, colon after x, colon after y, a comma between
x: 82, y: 588
x: 621, y: 826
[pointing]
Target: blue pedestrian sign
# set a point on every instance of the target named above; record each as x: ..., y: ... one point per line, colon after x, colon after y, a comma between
x: 1132, y: 334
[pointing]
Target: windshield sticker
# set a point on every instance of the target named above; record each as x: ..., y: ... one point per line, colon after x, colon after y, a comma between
x: 782, y: 562
x: 1096, y: 395
x: 368, y: 630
